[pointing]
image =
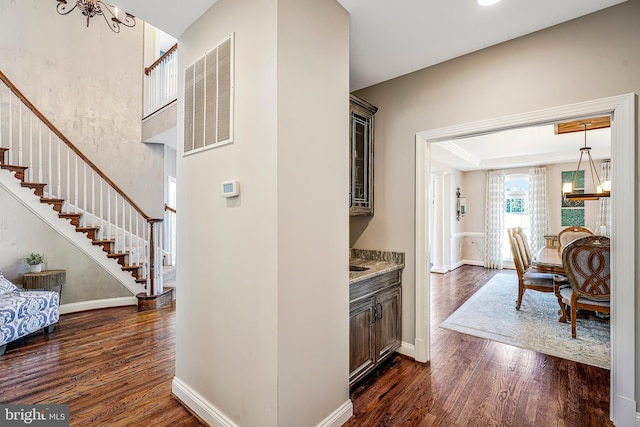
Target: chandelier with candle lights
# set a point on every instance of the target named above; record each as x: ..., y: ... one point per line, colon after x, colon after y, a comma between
x: 90, y: 8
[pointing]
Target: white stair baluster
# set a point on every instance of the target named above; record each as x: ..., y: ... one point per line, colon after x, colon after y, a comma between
x: 76, y: 205
x: 115, y: 214
x: 20, y: 133
x: 1, y: 126
x: 10, y: 128
x: 59, y: 170
x: 40, y: 174
x: 50, y: 171
x: 109, y: 232
x: 30, y: 173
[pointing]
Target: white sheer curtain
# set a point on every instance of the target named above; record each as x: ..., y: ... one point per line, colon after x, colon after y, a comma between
x: 494, y: 219
x: 538, y: 207
x: 603, y: 223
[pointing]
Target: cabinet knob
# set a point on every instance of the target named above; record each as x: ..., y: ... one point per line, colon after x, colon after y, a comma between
x: 375, y: 315
x: 380, y: 305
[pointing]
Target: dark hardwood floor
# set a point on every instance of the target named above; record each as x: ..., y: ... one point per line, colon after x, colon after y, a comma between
x: 475, y: 382
x: 114, y: 367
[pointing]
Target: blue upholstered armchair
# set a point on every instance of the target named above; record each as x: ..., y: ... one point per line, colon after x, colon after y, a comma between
x: 25, y: 312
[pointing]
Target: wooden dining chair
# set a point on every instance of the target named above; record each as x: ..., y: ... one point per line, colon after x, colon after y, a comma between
x: 587, y: 264
x: 528, y: 278
x: 571, y: 233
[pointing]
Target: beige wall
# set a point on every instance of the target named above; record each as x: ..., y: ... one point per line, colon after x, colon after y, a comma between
x: 262, y: 317
x: 474, y: 189
x: 588, y: 58
x: 88, y: 82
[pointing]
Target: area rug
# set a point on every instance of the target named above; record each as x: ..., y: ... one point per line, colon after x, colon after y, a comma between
x: 490, y: 313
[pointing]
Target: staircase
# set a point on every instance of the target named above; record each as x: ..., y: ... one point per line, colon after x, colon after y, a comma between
x: 92, y: 232
x: 43, y: 160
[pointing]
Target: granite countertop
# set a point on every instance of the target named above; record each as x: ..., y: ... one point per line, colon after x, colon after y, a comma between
x: 375, y: 262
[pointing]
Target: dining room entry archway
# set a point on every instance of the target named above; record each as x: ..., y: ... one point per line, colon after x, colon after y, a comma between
x: 623, y: 212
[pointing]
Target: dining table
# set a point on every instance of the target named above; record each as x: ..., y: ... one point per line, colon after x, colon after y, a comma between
x: 548, y: 260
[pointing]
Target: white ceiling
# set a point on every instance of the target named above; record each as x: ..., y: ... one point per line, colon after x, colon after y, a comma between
x: 392, y: 38
x: 521, y: 147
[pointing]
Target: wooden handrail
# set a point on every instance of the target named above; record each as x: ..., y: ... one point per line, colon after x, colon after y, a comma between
x: 150, y: 68
x: 170, y: 209
x: 161, y: 108
x: 63, y: 138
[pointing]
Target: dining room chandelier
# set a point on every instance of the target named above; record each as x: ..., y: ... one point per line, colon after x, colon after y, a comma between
x: 90, y: 8
x: 602, y: 189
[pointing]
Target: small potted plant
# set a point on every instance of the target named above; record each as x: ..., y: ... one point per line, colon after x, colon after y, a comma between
x: 35, y: 262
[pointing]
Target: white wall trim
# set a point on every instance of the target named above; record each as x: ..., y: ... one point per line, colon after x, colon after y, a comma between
x: 215, y: 418
x: 623, y: 243
x: 196, y: 403
x: 464, y: 262
x: 423, y: 245
x: 407, y: 349
x: 75, y: 307
x: 472, y: 262
x: 339, y: 416
x: 467, y: 234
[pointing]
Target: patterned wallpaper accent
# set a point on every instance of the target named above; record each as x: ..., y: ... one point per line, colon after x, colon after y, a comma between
x: 572, y: 212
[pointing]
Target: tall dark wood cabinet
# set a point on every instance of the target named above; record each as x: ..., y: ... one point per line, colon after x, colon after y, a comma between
x: 362, y: 128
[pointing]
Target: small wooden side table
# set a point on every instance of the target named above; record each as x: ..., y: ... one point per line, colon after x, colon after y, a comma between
x: 47, y: 280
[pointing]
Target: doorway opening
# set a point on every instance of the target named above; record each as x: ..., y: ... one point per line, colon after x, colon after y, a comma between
x: 623, y: 155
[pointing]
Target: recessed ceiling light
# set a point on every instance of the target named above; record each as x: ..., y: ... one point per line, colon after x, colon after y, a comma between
x: 487, y: 2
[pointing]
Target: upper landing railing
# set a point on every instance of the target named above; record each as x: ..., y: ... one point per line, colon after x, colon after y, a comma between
x: 161, y: 82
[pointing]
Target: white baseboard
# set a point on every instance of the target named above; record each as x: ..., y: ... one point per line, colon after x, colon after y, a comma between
x: 196, y: 403
x: 339, y: 416
x: 214, y: 418
x: 96, y: 304
x: 472, y: 262
x: 407, y: 349
x: 460, y: 264
x: 456, y: 265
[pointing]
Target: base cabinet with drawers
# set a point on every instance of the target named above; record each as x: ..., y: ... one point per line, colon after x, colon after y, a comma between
x: 374, y: 323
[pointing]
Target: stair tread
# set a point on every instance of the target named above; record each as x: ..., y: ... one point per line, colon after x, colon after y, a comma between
x: 131, y: 267
x: 50, y: 199
x: 7, y: 166
x: 69, y: 214
x: 99, y: 242
x: 117, y: 255
x: 88, y: 228
x: 27, y: 183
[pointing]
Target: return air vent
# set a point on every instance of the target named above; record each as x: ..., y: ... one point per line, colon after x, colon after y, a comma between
x: 208, y: 99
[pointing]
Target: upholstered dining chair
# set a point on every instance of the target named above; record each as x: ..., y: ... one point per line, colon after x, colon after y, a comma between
x: 568, y: 234
x: 523, y: 243
x: 587, y: 264
x: 527, y: 278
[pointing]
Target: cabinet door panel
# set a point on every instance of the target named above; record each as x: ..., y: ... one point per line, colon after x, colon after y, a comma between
x: 388, y: 326
x: 361, y: 339
x: 361, y: 137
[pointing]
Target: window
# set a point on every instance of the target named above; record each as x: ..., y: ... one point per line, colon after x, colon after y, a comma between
x: 516, y: 190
